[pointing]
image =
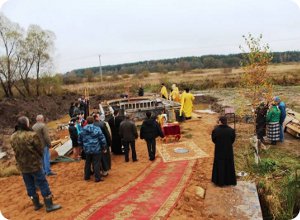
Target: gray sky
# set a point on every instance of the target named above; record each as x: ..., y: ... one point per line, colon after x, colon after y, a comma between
x: 134, y: 30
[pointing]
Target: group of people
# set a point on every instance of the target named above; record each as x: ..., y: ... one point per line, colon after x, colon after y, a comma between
x: 79, y: 107
x: 93, y: 139
x: 269, y: 121
x: 185, y: 99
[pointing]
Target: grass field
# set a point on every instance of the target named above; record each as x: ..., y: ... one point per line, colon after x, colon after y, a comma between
x: 198, y: 79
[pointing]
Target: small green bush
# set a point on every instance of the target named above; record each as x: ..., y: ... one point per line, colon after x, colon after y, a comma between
x: 267, y: 165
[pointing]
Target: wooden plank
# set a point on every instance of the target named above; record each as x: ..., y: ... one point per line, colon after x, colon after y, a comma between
x: 65, y: 148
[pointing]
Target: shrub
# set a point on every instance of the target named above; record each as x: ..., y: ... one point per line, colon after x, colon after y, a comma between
x: 227, y: 70
x: 267, y: 165
x: 125, y: 76
x: 138, y: 76
x: 114, y: 77
x: 231, y: 84
x: 145, y: 74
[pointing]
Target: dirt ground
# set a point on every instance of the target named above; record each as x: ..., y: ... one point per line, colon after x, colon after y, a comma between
x: 73, y: 193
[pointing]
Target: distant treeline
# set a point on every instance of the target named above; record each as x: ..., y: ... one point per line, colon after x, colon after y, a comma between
x: 183, y: 64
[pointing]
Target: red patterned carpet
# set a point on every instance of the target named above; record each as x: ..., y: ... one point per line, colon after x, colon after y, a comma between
x: 153, y: 194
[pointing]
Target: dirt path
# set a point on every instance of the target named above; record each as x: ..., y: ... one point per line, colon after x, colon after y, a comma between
x: 73, y: 193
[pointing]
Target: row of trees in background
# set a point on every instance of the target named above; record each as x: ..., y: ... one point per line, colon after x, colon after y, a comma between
x: 184, y: 64
x: 24, y: 57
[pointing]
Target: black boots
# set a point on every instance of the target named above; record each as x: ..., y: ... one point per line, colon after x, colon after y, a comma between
x: 49, y: 204
x: 36, y: 202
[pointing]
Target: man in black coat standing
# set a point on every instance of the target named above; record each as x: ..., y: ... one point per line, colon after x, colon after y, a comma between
x: 149, y: 131
x: 261, y: 123
x: 114, y: 124
x: 223, y: 136
x: 128, y: 134
x: 141, y: 91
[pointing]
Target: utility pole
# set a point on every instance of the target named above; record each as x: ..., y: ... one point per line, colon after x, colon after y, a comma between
x: 100, y: 67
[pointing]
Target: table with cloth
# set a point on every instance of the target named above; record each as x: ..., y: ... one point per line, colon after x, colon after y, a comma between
x: 171, y: 130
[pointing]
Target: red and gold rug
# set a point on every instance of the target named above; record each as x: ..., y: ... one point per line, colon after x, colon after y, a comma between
x: 152, y: 195
x: 167, y: 151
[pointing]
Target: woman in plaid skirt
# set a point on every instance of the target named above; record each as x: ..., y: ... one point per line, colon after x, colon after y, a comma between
x: 273, y: 127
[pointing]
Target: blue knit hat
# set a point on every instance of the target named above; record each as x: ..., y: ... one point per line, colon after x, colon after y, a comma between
x: 276, y: 99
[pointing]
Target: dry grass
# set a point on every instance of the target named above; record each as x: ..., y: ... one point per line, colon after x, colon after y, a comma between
x: 198, y: 79
x: 274, y: 175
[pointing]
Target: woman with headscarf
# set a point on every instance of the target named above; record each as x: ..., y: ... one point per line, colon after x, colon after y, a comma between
x: 273, y: 126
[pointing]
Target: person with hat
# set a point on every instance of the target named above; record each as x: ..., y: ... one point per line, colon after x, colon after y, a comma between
x: 282, y: 107
x: 29, y: 151
x: 93, y: 141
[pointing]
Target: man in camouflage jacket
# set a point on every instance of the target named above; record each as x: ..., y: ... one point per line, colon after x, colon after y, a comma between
x: 29, y: 152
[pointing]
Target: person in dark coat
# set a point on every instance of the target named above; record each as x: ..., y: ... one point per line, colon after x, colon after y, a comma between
x: 261, y: 112
x: 114, y: 123
x: 150, y: 130
x: 105, y: 159
x: 76, y: 110
x: 223, y: 136
x: 128, y: 134
x: 84, y: 106
x: 141, y: 91
x: 71, y: 110
x: 74, y: 138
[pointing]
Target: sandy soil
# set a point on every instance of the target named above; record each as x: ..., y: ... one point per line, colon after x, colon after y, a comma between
x: 73, y: 193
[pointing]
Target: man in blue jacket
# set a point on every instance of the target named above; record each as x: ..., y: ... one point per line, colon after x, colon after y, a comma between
x: 282, y: 107
x: 93, y: 142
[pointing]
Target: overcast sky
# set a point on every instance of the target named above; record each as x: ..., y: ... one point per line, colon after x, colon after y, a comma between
x: 136, y: 30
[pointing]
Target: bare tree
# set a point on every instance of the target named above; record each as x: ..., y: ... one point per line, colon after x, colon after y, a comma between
x: 41, y: 44
x: 26, y: 55
x: 10, y: 37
